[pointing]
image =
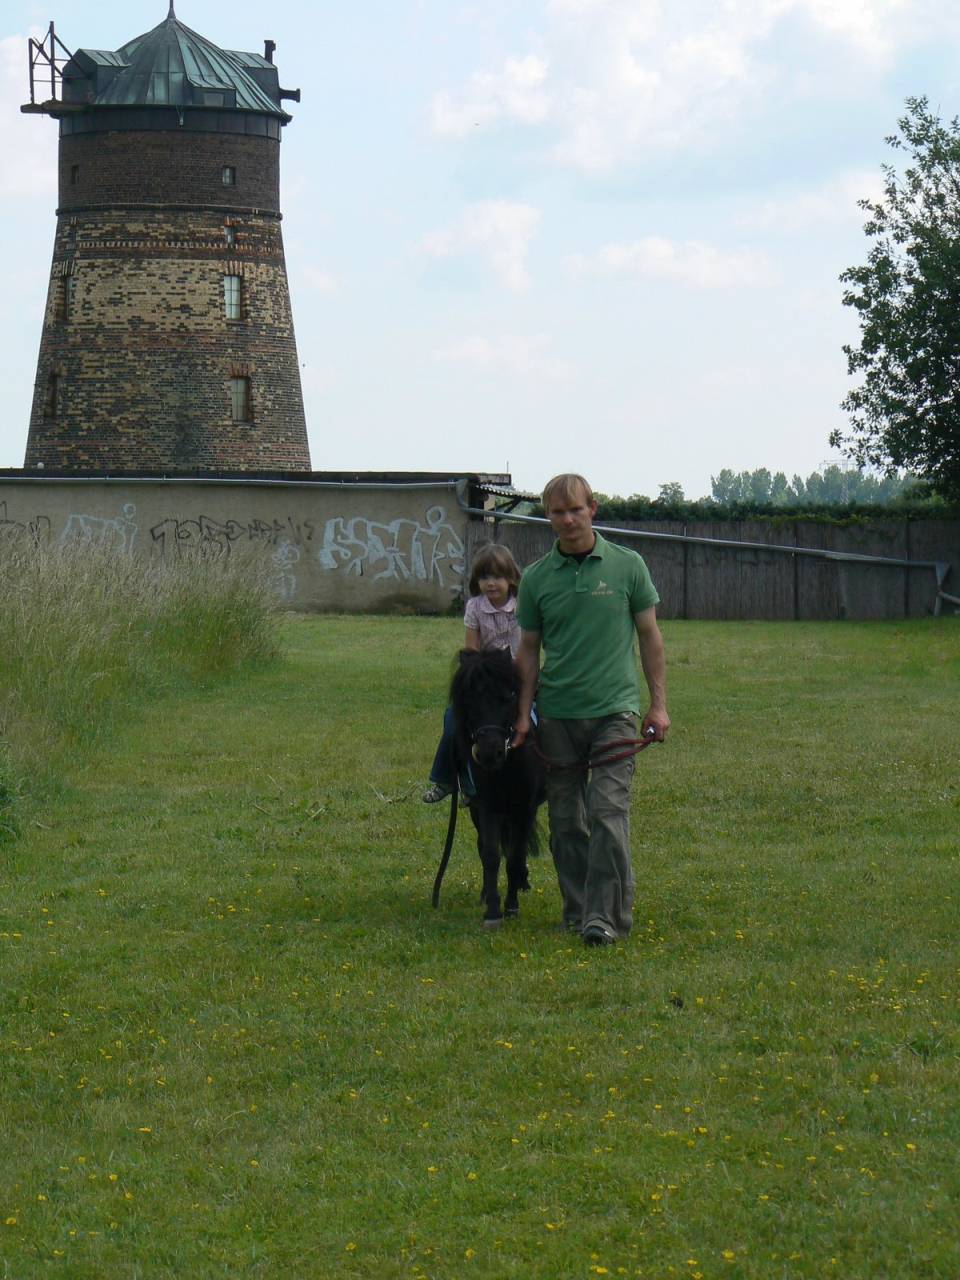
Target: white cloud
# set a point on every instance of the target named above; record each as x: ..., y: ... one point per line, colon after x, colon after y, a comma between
x: 690, y: 262
x: 834, y: 203
x: 318, y: 280
x: 869, y: 26
x: 522, y: 355
x: 499, y: 231
x: 29, y: 164
x: 515, y: 93
x: 618, y: 77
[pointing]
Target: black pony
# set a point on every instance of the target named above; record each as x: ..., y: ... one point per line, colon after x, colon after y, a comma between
x: 507, y: 783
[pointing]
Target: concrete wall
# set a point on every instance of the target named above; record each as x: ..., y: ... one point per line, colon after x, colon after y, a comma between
x: 715, y: 582
x: 363, y: 545
x: 350, y: 547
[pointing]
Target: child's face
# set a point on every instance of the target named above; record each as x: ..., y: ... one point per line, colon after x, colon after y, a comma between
x: 495, y: 588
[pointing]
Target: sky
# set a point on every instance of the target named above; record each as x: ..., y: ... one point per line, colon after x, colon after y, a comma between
x: 538, y: 236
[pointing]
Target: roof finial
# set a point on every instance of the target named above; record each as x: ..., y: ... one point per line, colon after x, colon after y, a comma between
x: 171, y: 14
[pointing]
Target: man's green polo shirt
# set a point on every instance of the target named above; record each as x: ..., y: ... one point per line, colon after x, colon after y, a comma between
x: 584, y: 613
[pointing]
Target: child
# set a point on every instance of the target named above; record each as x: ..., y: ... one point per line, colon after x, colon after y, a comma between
x: 490, y: 623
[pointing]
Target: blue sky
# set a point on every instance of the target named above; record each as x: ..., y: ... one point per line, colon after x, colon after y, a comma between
x: 543, y: 235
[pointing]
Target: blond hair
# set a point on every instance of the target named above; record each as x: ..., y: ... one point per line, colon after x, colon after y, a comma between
x: 568, y: 487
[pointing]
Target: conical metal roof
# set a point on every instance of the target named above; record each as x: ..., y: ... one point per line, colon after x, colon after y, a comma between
x: 173, y: 66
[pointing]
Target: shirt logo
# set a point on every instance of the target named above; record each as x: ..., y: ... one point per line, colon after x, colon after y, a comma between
x: 601, y: 589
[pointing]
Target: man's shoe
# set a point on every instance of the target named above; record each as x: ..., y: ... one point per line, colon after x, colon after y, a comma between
x: 439, y: 791
x: 595, y: 935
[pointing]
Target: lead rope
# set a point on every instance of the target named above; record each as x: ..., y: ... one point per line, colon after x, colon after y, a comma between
x: 634, y: 747
x: 445, y: 857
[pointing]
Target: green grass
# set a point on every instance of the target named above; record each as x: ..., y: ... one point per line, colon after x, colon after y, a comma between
x: 235, y: 1039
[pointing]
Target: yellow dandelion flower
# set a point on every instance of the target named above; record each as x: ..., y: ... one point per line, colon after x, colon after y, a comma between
x: 729, y: 1255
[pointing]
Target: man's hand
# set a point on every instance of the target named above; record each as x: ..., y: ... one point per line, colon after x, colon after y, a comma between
x: 659, y: 722
x: 521, y: 728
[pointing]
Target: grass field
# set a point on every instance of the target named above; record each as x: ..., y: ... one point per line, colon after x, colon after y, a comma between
x: 235, y: 1039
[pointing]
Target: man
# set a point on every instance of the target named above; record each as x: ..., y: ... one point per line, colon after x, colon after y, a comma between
x: 583, y: 603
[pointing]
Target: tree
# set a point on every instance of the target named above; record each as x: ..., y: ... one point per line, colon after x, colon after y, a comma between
x: 724, y: 487
x: 759, y: 486
x: 670, y: 494
x: 779, y: 489
x: 906, y: 410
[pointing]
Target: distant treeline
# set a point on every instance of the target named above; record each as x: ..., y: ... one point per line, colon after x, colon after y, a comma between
x: 832, y: 494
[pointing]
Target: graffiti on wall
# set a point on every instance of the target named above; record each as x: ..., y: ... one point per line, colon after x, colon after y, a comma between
x: 211, y: 539
x: 283, y: 579
x: 404, y: 550
x: 107, y: 533
x: 36, y: 530
x: 425, y: 551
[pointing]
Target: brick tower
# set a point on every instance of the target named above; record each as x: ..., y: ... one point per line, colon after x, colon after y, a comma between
x: 168, y: 339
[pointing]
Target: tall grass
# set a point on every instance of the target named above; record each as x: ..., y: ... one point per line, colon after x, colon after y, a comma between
x: 85, y: 635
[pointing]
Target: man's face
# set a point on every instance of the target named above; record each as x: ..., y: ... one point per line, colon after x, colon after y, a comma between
x: 571, y: 519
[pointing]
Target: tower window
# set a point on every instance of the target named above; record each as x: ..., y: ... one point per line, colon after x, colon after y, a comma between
x: 240, y: 399
x: 233, y: 297
x: 230, y: 233
x: 229, y: 175
x: 74, y: 174
x: 51, y: 396
x: 68, y: 288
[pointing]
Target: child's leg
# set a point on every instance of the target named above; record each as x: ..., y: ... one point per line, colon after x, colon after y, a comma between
x: 442, y: 770
x: 442, y: 773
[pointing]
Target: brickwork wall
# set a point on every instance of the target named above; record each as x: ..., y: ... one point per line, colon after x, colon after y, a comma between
x: 141, y: 167
x: 135, y: 330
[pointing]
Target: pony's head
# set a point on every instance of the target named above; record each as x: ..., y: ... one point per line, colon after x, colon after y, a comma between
x: 484, y: 695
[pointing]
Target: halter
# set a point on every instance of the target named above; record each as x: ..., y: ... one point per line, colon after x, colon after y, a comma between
x: 498, y: 729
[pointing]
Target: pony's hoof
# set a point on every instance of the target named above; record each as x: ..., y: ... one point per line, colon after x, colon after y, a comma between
x: 493, y: 924
x: 511, y: 913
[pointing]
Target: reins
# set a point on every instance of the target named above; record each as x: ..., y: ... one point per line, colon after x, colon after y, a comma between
x: 445, y: 857
x: 608, y: 754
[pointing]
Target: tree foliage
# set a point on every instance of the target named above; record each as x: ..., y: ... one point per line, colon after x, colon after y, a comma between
x: 835, y: 493
x: 833, y: 486
x: 905, y: 411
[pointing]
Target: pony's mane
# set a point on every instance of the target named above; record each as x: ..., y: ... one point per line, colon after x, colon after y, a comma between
x: 481, y: 669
